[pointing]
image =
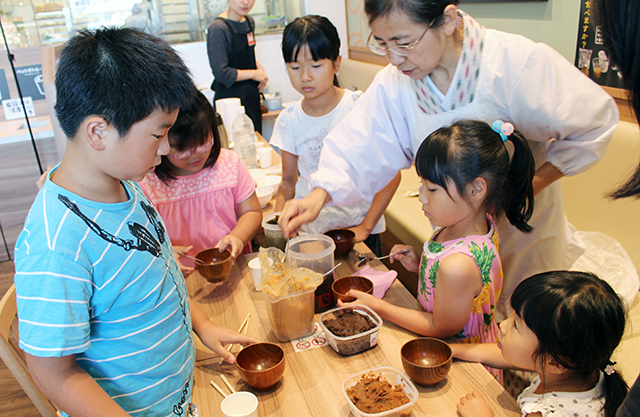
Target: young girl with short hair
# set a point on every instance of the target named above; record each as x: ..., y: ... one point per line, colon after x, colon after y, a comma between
x: 468, y: 178
x: 205, y: 194
x: 311, y: 50
x: 565, y: 327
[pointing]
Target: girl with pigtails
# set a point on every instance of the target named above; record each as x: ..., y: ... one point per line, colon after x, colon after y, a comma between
x: 468, y: 180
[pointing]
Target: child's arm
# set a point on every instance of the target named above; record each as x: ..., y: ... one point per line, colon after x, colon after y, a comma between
x: 249, y: 215
x: 379, y: 204
x: 287, y: 189
x: 215, y: 336
x: 70, y: 388
x: 458, y: 282
x: 488, y: 354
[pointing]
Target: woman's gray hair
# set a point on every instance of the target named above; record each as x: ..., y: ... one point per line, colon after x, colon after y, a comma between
x: 420, y: 11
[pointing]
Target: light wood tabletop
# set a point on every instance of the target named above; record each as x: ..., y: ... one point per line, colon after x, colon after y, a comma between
x: 311, y: 384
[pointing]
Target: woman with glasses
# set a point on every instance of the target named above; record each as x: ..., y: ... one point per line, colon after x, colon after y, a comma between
x: 446, y: 67
x: 204, y: 194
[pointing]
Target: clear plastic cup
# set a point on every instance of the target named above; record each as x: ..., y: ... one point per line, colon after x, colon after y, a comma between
x: 273, y: 232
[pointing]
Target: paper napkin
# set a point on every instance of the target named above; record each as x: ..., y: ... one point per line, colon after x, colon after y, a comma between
x: 381, y: 280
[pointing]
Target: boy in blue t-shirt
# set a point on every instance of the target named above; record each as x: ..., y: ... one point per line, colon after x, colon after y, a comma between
x: 105, y: 318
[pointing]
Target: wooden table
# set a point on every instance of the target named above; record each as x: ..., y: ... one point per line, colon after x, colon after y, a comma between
x: 311, y: 384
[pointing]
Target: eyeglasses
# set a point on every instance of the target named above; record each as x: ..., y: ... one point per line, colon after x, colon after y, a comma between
x: 399, y: 50
x: 186, y: 154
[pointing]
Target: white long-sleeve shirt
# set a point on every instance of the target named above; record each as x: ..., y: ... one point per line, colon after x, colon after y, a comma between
x: 566, y: 118
x: 526, y: 83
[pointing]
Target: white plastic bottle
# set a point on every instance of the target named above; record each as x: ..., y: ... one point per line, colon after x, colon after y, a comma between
x: 244, y: 138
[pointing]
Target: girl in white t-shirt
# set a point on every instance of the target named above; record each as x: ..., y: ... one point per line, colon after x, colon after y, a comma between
x: 311, y: 50
x: 565, y: 327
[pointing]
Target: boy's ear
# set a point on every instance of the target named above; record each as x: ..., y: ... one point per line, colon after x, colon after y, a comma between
x: 336, y: 64
x: 477, y: 190
x: 96, y: 130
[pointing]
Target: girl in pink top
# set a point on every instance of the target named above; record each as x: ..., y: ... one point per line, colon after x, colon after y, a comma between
x: 467, y: 179
x: 205, y: 194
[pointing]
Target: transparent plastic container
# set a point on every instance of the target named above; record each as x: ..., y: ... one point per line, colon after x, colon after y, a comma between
x: 291, y: 315
x: 273, y: 232
x: 352, y: 344
x: 394, y: 377
x: 316, y: 253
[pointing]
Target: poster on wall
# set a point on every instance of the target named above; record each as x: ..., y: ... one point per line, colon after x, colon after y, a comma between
x: 30, y: 79
x: 4, y: 87
x: 591, y: 58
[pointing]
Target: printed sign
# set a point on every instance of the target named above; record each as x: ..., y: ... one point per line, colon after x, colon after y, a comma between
x: 314, y: 340
x: 13, y: 108
x: 4, y: 87
x: 591, y: 58
x: 30, y: 79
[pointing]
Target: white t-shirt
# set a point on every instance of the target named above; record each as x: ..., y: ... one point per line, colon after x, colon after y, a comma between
x: 300, y: 134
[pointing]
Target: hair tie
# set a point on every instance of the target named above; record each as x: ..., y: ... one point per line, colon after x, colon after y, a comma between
x: 609, y: 368
x: 503, y: 129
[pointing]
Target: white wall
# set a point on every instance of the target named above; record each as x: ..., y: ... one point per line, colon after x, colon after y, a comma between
x: 554, y: 22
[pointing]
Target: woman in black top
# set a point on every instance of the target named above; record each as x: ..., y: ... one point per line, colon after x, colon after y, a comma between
x: 231, y: 49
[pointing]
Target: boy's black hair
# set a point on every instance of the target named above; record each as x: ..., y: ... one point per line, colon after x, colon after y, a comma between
x: 579, y: 321
x: 318, y: 33
x: 120, y: 74
x: 196, y: 123
x: 469, y: 149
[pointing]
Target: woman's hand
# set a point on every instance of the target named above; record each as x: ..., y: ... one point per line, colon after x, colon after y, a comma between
x: 233, y: 243
x: 186, y: 270
x: 298, y: 212
x: 474, y: 405
x: 407, y: 256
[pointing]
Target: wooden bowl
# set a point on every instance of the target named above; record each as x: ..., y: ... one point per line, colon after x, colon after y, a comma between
x: 261, y: 365
x: 426, y: 360
x: 344, y: 239
x: 341, y: 287
x: 220, y: 267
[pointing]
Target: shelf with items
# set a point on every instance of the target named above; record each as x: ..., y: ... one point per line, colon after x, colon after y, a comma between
x: 52, y: 27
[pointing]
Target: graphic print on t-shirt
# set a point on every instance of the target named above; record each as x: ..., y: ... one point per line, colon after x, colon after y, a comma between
x: 145, y: 241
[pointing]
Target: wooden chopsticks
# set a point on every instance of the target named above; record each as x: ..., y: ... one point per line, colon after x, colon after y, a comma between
x: 220, y: 390
x: 243, y: 329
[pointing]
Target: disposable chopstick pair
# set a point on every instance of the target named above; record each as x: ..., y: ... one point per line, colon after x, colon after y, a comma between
x: 220, y: 390
x: 243, y: 329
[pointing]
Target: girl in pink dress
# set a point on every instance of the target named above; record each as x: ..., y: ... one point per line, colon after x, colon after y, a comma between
x: 205, y: 194
x: 467, y: 177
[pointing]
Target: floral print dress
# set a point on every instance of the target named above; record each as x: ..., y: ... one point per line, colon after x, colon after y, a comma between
x: 481, y: 327
x: 483, y: 249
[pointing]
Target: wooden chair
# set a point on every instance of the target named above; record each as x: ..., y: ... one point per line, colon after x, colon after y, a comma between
x: 14, y: 358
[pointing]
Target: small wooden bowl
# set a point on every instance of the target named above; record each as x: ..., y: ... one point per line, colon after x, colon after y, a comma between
x: 220, y: 267
x: 261, y: 365
x: 426, y: 360
x: 341, y: 287
x: 344, y: 239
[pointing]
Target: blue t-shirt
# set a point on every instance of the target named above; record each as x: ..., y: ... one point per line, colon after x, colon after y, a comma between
x: 100, y: 281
